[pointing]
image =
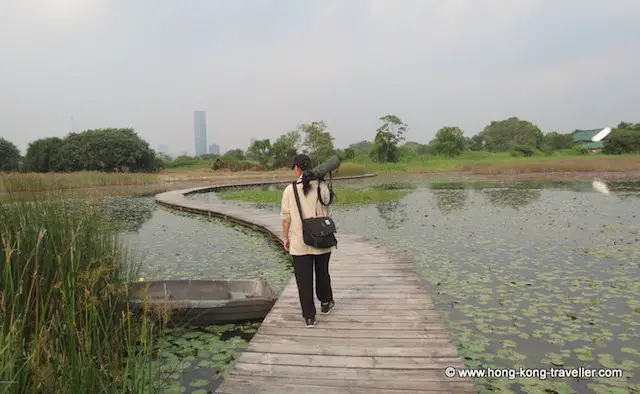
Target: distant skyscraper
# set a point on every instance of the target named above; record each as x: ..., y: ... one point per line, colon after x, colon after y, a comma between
x: 200, y: 132
x: 214, y: 149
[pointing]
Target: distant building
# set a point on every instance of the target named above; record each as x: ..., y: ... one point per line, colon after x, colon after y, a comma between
x: 214, y: 149
x: 591, y: 139
x: 163, y: 148
x: 251, y: 142
x: 200, y: 132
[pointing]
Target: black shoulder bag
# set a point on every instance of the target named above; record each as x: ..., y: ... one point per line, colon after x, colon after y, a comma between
x: 317, y: 232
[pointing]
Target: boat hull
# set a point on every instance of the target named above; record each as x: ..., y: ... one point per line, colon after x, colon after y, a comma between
x: 204, y: 302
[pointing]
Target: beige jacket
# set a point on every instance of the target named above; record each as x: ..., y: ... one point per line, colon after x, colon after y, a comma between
x: 308, y: 204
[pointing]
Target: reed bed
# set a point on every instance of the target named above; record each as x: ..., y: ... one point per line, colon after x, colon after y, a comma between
x: 65, y: 321
x: 28, y: 182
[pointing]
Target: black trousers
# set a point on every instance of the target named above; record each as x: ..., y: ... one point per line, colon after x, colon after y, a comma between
x: 303, y: 268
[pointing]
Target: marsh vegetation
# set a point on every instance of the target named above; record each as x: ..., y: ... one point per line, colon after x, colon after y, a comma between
x: 531, y: 274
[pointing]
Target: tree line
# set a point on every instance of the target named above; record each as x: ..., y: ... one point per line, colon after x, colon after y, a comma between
x: 122, y: 150
x: 106, y: 150
x: 513, y: 135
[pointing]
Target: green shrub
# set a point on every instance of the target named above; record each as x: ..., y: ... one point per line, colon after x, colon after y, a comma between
x: 622, y: 141
x: 349, y: 169
x: 236, y: 165
x: 580, y: 149
x: 518, y: 150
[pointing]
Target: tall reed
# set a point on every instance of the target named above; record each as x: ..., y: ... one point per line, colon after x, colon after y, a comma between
x: 65, y: 321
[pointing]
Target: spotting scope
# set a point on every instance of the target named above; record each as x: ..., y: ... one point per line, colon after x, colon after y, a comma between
x: 319, y: 172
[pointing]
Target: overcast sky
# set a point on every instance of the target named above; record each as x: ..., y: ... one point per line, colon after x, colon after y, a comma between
x: 259, y: 68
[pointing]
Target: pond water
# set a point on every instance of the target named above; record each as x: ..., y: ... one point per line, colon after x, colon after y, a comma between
x: 174, y: 245
x: 533, y: 275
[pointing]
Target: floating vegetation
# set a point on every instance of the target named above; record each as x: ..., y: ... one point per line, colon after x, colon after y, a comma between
x: 344, y: 196
x: 194, y: 360
x: 527, y: 277
x: 531, y: 275
x: 179, y: 245
x: 535, y: 275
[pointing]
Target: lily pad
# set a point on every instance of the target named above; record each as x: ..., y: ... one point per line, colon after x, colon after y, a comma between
x: 199, y: 383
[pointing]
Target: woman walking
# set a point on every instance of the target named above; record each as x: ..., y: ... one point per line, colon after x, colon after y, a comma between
x: 307, y: 259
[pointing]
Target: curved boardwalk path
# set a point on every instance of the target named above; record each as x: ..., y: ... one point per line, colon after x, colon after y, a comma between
x: 384, y: 335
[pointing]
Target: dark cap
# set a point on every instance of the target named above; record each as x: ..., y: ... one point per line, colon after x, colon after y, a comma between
x: 303, y: 161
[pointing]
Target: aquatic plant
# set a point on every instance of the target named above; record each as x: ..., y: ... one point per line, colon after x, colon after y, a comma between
x: 65, y: 324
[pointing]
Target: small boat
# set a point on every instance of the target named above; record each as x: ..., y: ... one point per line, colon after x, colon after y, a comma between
x: 206, y: 302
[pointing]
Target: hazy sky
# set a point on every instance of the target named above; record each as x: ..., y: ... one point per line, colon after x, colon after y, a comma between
x: 261, y: 67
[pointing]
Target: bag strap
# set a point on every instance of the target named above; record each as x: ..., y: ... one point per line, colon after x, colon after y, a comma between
x: 332, y: 195
x: 295, y: 192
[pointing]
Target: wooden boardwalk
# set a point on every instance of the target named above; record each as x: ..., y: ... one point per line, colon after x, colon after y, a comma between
x: 384, y: 335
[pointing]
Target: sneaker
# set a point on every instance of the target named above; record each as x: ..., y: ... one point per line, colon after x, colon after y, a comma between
x: 310, y: 322
x: 326, y: 307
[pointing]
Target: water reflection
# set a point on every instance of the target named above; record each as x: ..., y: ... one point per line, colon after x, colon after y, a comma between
x: 600, y: 186
x: 127, y: 214
x: 554, y: 283
x: 449, y: 201
x: 394, y: 213
x: 512, y: 198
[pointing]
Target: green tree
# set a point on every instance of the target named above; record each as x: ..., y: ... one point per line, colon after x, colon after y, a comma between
x: 318, y: 143
x: 43, y: 155
x: 234, y: 154
x: 626, y: 125
x: 411, y: 146
x: 500, y: 136
x: 449, y: 141
x: 285, y: 148
x: 623, y: 140
x: 362, y: 147
x: 388, y: 137
x: 349, y: 154
x: 260, y: 151
x: 475, y: 143
x: 9, y: 156
x: 556, y: 141
x: 108, y: 150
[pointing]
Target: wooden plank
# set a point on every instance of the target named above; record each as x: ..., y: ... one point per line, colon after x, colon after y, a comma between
x: 250, y: 384
x: 384, y: 336
x: 384, y: 313
x: 351, y: 306
x: 419, y: 347
x: 344, y: 318
x: 441, y: 353
x: 335, y: 316
x: 360, y: 287
x: 286, y: 371
x: 349, y: 361
x: 276, y: 322
x: 380, y: 281
x: 339, y: 386
x: 366, y: 298
x: 325, y: 332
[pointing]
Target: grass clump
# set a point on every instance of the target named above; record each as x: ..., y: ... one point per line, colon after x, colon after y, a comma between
x: 504, y: 163
x: 343, y: 196
x: 66, y: 325
x: 349, y: 169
